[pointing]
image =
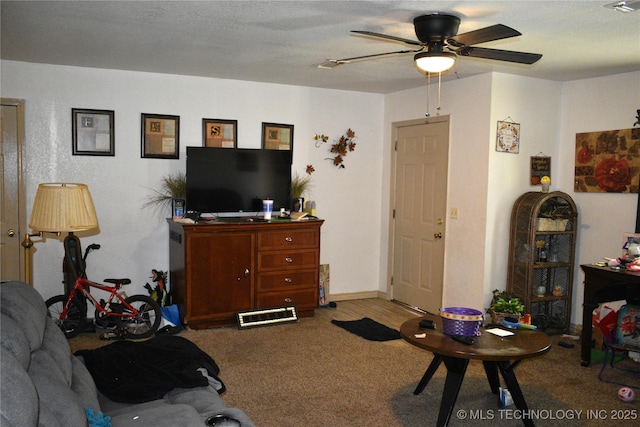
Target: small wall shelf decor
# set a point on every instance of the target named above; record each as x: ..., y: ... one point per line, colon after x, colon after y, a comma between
x: 160, y: 136
x: 541, y: 257
x: 93, y: 133
x: 219, y: 133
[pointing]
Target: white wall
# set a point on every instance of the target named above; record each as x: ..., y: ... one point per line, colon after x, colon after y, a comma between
x: 593, y: 105
x: 484, y: 184
x: 135, y: 240
x: 535, y: 104
x: 468, y: 103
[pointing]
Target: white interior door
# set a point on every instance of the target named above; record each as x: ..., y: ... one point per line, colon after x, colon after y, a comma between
x: 12, y: 204
x: 420, y: 213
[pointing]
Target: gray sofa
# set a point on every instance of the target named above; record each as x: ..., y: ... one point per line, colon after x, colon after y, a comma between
x: 43, y: 384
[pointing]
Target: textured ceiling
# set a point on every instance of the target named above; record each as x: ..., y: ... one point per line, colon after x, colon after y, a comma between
x: 284, y: 41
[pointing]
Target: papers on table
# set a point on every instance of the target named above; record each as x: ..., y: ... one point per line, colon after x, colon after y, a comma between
x: 500, y: 332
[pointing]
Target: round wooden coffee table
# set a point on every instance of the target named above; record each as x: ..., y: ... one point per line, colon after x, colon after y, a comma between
x: 498, y: 354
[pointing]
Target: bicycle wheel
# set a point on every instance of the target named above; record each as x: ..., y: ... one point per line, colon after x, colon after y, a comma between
x: 73, y: 324
x: 147, y: 323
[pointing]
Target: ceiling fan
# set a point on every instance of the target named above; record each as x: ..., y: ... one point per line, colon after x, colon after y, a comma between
x: 439, y: 44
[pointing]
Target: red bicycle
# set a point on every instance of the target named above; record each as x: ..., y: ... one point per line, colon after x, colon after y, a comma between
x: 135, y: 317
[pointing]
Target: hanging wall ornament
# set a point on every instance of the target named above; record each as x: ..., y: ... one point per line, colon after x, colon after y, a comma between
x: 508, y: 136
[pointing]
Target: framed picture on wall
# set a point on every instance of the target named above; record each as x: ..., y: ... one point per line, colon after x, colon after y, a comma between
x: 276, y: 136
x: 219, y: 133
x: 508, y: 137
x: 160, y: 136
x: 93, y: 132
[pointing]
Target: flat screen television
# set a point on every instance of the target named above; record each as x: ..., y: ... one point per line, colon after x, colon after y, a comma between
x: 229, y: 182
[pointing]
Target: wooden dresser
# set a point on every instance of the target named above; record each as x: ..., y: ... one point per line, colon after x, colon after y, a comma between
x: 220, y: 268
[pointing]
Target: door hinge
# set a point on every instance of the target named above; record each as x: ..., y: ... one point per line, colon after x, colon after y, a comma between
x: 395, y: 148
x: 394, y: 214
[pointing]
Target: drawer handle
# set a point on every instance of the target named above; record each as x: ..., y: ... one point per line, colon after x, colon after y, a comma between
x: 289, y: 259
x: 288, y: 300
x: 288, y: 280
x: 288, y: 239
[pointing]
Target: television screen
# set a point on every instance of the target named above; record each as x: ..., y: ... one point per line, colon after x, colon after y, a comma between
x: 226, y: 180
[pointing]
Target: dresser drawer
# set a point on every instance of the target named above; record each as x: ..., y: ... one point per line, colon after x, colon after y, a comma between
x: 282, y: 260
x: 300, y: 298
x: 287, y: 280
x: 295, y: 239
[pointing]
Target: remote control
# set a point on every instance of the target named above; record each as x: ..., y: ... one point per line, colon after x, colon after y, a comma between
x: 463, y: 339
x: 427, y: 324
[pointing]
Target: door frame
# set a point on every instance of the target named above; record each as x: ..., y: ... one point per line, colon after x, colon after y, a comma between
x: 22, y: 199
x: 392, y: 189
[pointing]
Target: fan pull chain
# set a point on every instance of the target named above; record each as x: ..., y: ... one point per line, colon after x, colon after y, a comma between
x: 428, y: 92
x: 428, y: 85
x: 439, y: 87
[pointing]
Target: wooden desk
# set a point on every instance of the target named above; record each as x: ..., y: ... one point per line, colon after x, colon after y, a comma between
x: 496, y: 354
x: 603, y: 284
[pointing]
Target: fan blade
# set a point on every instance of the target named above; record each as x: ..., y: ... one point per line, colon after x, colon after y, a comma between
x: 499, y: 55
x: 483, y: 35
x: 331, y: 63
x: 388, y: 37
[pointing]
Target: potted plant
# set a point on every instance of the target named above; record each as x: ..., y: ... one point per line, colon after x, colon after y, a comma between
x: 172, y: 191
x: 299, y: 186
x: 505, y: 304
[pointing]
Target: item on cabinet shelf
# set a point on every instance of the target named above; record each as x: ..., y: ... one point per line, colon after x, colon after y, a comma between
x: 541, y: 290
x: 178, y: 208
x: 299, y: 216
x: 550, y: 224
x: 546, y: 183
x: 557, y: 291
x: 542, y: 254
x: 267, y: 208
x: 553, y: 249
x: 310, y: 207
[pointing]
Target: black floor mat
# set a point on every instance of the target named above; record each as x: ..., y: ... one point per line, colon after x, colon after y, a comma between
x: 368, y: 329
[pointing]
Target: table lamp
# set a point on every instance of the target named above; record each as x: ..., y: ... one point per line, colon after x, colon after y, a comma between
x: 63, y: 207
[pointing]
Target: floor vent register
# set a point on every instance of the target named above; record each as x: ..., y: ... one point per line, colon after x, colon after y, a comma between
x: 266, y: 317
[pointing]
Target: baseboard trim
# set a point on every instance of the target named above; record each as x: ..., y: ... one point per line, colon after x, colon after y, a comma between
x: 357, y: 295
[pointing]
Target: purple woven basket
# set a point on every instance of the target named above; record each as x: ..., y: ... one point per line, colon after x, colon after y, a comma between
x: 461, y: 321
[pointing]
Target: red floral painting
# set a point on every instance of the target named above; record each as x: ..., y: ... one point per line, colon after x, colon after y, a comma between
x: 608, y: 161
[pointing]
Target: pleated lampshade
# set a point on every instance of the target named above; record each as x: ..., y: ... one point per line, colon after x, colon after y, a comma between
x: 62, y: 207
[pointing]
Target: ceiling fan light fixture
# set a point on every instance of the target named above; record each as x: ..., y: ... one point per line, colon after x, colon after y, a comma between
x: 435, y: 62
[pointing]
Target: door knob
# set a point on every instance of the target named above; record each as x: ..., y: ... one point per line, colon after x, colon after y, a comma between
x: 437, y: 235
x: 11, y: 232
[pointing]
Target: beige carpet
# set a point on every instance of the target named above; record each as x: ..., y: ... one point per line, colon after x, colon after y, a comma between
x: 313, y: 373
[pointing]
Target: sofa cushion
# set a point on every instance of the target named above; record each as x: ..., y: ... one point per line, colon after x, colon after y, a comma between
x: 24, y: 304
x: 59, y: 405
x: 14, y: 340
x: 17, y: 393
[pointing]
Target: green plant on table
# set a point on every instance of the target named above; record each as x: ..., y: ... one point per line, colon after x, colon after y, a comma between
x: 506, y: 302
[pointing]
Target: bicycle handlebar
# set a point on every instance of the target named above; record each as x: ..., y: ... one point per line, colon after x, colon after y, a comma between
x: 91, y: 247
